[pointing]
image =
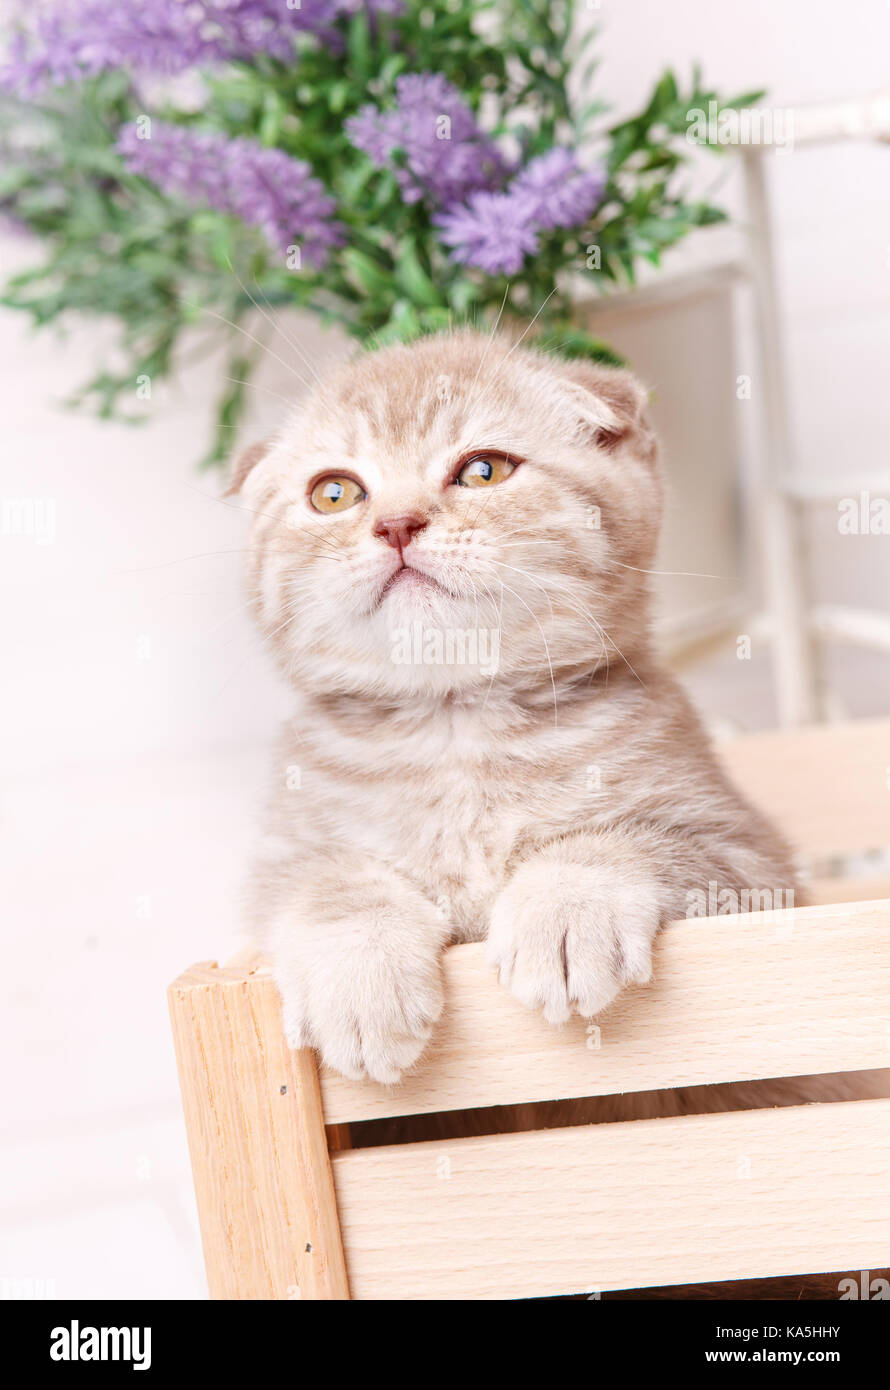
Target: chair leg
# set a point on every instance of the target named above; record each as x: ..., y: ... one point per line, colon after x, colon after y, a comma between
x: 259, y: 1150
x: 793, y: 653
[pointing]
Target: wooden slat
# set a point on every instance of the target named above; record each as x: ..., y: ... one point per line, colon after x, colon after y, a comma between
x: 732, y: 999
x: 257, y: 1140
x: 748, y: 1194
x: 827, y: 787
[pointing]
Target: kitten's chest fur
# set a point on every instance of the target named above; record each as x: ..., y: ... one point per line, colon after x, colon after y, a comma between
x: 443, y: 797
x: 454, y: 840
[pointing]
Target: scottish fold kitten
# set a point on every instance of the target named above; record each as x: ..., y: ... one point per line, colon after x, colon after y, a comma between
x: 450, y: 556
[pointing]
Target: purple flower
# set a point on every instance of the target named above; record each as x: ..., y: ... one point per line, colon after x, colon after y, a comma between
x: 496, y: 231
x: 265, y: 188
x: 444, y: 154
x: 564, y: 193
x: 70, y: 42
x: 493, y: 231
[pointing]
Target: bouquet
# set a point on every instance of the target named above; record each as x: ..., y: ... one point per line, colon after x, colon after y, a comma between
x: 393, y: 166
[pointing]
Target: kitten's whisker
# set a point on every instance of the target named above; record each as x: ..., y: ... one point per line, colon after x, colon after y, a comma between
x: 546, y: 647
x: 527, y: 576
x: 200, y: 555
x: 681, y: 574
x: 291, y: 612
x: 502, y: 364
x: 236, y: 506
x: 503, y: 543
x: 471, y: 402
x: 257, y: 386
x: 275, y: 323
x: 475, y: 602
x: 490, y: 596
x: 292, y: 342
x: 260, y: 344
x: 335, y: 546
x: 237, y: 612
x: 500, y: 628
x: 583, y: 612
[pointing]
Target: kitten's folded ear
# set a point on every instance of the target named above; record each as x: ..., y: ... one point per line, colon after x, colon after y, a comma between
x: 244, y: 464
x: 615, y: 404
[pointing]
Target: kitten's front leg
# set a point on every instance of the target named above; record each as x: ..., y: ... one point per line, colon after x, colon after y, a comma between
x: 575, y: 924
x: 357, y: 958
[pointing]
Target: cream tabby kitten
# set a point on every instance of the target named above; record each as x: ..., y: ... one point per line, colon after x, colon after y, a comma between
x: 450, y: 553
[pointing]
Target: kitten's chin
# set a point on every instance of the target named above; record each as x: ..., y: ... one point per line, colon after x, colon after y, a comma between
x: 409, y: 582
x: 411, y: 596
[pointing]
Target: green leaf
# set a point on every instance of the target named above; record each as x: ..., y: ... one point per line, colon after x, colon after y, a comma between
x: 338, y: 95
x: 370, y: 276
x: 570, y: 341
x: 745, y: 99
x: 359, y: 43
x: 462, y: 295
x: 412, y: 277
x: 390, y: 70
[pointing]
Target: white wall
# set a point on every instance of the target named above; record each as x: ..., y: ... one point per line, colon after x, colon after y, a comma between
x: 831, y: 209
x: 832, y: 205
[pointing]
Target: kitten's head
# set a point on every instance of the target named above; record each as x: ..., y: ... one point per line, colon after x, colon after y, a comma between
x: 455, y: 512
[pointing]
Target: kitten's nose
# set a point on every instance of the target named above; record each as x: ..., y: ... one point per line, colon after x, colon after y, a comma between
x: 398, y: 531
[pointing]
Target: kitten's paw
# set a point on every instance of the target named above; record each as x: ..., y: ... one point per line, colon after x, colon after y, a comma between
x: 564, y: 938
x: 365, y: 997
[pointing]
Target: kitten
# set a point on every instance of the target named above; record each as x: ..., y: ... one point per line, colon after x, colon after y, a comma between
x: 450, y: 559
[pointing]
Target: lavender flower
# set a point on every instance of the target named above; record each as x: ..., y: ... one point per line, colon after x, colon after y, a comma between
x: 265, y: 188
x: 564, y: 194
x: 444, y: 154
x: 71, y: 42
x: 496, y: 231
x: 493, y: 231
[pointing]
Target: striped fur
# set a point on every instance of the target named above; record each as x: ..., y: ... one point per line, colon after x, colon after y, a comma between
x: 564, y: 804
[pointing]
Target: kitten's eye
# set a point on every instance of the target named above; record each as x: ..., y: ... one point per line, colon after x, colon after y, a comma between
x: 336, y: 494
x: 485, y: 470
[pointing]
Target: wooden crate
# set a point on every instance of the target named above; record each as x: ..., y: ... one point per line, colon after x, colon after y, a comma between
x: 289, y: 1210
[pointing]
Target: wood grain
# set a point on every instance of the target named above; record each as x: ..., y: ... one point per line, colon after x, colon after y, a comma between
x: 827, y: 786
x: 732, y: 999
x: 257, y: 1140
x: 700, y: 1198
